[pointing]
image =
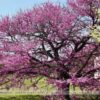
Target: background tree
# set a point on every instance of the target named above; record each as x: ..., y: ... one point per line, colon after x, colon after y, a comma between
x: 51, y: 41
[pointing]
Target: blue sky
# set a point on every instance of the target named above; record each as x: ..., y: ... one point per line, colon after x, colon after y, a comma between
x: 10, y: 7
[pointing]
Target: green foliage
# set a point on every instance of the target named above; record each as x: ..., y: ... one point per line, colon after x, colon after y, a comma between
x: 95, y: 33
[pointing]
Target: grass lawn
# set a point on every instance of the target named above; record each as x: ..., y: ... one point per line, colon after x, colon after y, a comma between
x: 20, y: 97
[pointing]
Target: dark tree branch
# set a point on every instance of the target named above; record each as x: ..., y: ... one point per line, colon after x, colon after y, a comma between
x: 86, y: 62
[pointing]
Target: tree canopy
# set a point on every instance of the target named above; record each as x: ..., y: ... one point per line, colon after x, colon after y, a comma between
x: 53, y: 41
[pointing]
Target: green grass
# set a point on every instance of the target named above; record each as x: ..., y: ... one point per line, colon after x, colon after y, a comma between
x: 21, y: 97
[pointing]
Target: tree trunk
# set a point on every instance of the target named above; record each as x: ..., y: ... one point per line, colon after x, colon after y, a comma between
x: 66, y: 92
x: 65, y: 87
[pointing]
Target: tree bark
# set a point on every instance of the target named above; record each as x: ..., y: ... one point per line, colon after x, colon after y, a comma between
x: 67, y: 92
x: 65, y: 87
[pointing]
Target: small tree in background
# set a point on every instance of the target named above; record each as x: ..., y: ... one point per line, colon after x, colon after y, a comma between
x: 51, y: 41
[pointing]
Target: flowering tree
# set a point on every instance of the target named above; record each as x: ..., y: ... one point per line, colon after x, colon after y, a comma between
x: 51, y: 41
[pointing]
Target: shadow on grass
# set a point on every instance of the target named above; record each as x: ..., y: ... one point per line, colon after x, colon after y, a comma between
x: 21, y: 97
